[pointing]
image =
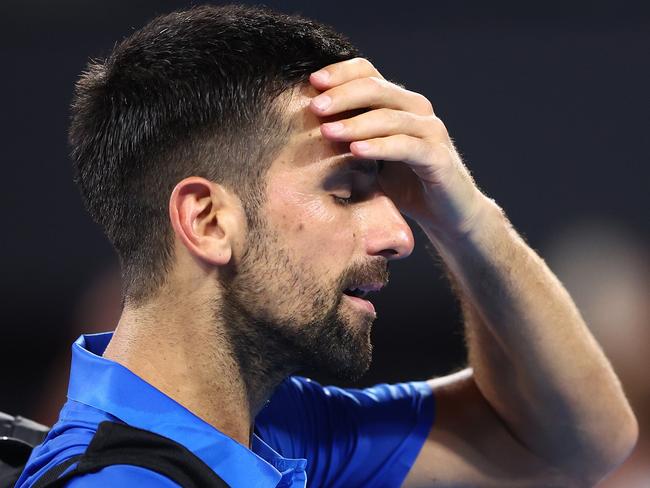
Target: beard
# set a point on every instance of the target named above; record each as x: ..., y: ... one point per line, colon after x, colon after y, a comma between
x: 281, y: 317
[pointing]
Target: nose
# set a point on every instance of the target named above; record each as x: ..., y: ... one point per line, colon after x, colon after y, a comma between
x: 387, y: 233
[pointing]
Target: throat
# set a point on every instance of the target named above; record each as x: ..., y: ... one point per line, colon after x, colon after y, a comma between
x: 221, y: 378
x: 263, y: 359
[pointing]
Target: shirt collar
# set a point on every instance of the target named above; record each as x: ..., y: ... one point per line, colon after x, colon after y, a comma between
x: 121, y: 393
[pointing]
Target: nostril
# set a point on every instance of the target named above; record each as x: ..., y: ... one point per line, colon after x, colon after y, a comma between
x: 387, y: 253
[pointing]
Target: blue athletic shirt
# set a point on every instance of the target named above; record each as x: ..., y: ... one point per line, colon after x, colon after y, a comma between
x: 307, y: 434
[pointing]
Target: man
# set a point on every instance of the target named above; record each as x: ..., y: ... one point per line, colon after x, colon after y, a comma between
x: 251, y: 170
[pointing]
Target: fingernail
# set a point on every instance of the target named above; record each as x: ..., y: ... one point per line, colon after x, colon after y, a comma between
x: 360, y: 146
x: 321, y: 75
x: 321, y: 102
x: 334, y: 127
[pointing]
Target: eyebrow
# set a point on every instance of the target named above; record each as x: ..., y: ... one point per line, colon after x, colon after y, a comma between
x: 368, y: 167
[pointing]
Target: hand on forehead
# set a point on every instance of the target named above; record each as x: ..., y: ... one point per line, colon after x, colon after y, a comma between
x: 306, y: 141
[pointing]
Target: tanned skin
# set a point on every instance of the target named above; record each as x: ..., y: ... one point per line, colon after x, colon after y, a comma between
x: 539, y: 406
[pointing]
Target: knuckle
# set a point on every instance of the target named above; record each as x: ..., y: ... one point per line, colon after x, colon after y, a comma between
x: 436, y: 132
x: 433, y: 123
x: 389, y: 116
x: 377, y: 81
x: 362, y: 63
x: 439, y: 127
x: 371, y: 82
x: 423, y: 103
x: 363, y: 67
x: 403, y: 139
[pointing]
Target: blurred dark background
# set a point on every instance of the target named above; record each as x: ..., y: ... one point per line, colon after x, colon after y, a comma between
x: 547, y: 101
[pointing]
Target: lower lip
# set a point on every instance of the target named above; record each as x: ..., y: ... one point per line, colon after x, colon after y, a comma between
x: 363, y: 304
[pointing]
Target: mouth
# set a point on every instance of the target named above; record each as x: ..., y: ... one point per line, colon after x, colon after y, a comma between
x: 362, y: 290
x: 357, y: 295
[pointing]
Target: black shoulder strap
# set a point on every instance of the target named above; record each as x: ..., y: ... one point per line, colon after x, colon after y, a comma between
x: 116, y: 443
x: 51, y: 476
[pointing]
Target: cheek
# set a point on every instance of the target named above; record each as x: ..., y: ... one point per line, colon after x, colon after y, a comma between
x: 316, y: 233
x: 302, y: 214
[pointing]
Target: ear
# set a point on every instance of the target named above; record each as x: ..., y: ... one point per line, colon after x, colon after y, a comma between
x: 205, y: 217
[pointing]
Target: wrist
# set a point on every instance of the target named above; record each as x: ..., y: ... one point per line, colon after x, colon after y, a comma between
x: 477, y: 228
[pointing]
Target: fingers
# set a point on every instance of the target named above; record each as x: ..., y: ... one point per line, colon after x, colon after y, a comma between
x: 338, y: 73
x: 389, y: 123
x: 397, y: 124
x: 398, y: 147
x: 381, y: 122
x: 356, y: 84
x: 369, y: 92
x: 428, y: 161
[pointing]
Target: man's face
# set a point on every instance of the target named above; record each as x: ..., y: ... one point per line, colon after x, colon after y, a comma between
x: 326, y: 227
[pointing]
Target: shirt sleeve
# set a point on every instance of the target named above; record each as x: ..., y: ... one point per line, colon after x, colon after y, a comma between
x: 350, y: 437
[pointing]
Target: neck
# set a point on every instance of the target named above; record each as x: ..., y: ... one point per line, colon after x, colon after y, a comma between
x: 211, y: 363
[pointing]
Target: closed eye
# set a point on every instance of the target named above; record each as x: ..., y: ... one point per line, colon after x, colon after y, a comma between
x: 352, y: 182
x: 342, y: 200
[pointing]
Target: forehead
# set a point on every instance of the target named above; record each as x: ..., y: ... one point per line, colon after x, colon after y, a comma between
x: 306, y: 150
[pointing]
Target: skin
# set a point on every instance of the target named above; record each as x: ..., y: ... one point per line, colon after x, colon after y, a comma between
x: 540, y: 405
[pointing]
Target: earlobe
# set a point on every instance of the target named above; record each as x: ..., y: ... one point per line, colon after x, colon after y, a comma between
x: 199, y: 211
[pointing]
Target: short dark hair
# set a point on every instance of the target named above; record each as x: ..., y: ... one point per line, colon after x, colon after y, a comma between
x: 193, y: 93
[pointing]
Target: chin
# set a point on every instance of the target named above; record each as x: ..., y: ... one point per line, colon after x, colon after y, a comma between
x: 347, y: 356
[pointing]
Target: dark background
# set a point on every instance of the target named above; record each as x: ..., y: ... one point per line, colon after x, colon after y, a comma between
x: 547, y: 101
